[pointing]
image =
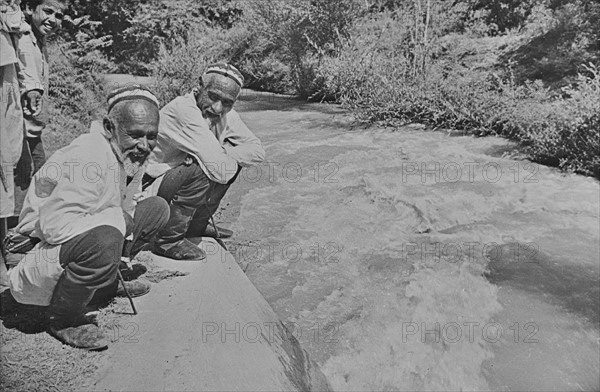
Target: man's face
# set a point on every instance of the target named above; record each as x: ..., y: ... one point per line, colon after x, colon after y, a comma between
x: 135, y: 134
x: 217, y: 96
x: 47, y: 17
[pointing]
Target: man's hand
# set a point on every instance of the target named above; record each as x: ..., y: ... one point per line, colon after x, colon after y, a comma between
x: 188, y: 160
x: 32, y: 103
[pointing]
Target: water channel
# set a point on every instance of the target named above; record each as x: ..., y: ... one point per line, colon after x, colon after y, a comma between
x: 412, y: 260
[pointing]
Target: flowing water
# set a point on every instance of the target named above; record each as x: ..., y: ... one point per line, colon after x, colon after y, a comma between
x: 412, y: 260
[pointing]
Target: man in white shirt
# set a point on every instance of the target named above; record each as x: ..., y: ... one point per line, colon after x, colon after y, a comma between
x: 76, y: 210
x: 202, y: 146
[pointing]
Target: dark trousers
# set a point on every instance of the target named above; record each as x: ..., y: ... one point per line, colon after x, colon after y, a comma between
x: 91, y: 259
x: 32, y: 159
x: 188, y: 189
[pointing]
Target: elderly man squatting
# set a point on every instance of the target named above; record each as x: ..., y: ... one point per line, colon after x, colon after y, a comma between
x: 75, y: 207
x: 202, y: 146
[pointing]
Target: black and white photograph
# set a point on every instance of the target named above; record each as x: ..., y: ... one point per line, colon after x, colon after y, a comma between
x: 299, y: 195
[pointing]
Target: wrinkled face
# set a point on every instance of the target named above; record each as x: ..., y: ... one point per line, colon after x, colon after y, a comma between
x: 46, y: 17
x: 134, y: 132
x: 217, y: 96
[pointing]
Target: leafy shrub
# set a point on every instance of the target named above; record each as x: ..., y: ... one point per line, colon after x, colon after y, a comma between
x: 131, y: 33
x: 76, y: 97
x: 178, y: 69
x: 570, y: 137
x: 504, y: 14
x: 285, y: 40
x: 376, y: 80
x: 220, y: 13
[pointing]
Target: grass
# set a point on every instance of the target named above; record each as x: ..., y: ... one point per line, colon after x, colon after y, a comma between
x: 32, y: 360
x: 464, y: 86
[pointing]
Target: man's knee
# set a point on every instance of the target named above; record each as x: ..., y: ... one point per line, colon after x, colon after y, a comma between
x: 107, y: 238
x: 156, y: 207
x: 92, y: 257
x: 97, y: 247
x: 185, y: 184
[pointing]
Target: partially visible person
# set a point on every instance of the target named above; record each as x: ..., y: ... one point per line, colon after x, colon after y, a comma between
x: 202, y: 146
x: 11, y: 115
x: 42, y: 17
x: 77, y: 208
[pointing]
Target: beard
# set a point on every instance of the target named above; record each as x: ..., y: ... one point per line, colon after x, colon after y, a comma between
x: 132, y: 165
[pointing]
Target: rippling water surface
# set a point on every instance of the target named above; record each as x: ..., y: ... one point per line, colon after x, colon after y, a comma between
x: 411, y: 260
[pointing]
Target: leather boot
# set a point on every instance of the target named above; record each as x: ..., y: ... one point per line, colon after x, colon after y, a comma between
x: 204, y: 228
x: 171, y: 241
x: 66, y: 317
x: 134, y: 288
x: 220, y: 232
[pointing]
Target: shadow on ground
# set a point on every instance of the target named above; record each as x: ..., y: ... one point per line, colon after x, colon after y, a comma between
x: 28, y: 319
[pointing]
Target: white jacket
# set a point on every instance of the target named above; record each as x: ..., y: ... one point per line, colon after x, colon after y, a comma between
x: 80, y: 187
x: 219, y: 149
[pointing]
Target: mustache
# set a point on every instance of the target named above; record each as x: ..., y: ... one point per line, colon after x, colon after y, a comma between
x: 210, y: 113
x: 136, y: 156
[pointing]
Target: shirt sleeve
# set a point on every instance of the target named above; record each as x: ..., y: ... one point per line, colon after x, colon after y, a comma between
x: 241, y: 144
x: 69, y: 194
x: 28, y: 73
x: 185, y: 129
x: 77, y: 189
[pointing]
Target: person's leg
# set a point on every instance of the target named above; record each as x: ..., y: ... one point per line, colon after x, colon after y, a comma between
x: 199, y: 225
x: 22, y: 179
x: 90, y: 261
x: 11, y: 136
x: 38, y: 155
x: 151, y: 215
x: 185, y: 188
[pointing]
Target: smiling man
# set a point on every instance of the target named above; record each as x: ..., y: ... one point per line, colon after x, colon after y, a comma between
x: 42, y: 17
x: 202, y: 146
x: 76, y: 210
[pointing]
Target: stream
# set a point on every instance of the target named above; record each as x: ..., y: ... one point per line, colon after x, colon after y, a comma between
x: 412, y: 260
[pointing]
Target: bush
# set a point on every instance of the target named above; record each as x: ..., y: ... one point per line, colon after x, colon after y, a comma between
x: 76, y: 97
x: 286, y: 40
x: 131, y: 33
x: 376, y: 80
x: 570, y: 137
x: 505, y: 14
x: 178, y: 69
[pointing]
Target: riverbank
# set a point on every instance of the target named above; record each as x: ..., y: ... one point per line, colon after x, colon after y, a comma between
x: 374, y: 246
x: 402, y: 260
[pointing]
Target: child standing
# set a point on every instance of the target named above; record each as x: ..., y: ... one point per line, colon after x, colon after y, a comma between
x: 42, y: 17
x: 11, y: 116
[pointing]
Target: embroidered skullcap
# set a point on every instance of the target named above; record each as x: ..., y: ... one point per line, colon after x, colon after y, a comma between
x: 130, y: 92
x: 227, y: 70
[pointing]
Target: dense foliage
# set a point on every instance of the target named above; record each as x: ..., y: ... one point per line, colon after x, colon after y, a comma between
x: 525, y: 69
x: 131, y: 33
